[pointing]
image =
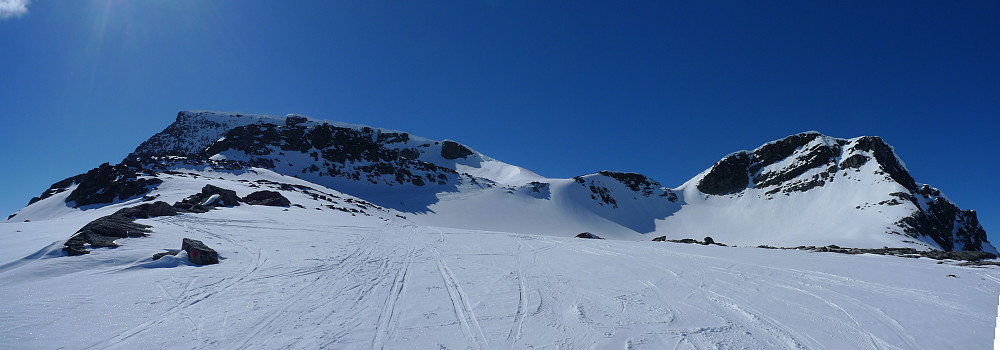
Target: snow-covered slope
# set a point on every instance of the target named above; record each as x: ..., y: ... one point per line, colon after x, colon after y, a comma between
x: 310, y: 276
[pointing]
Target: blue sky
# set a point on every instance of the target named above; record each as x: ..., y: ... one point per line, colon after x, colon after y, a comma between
x: 560, y: 87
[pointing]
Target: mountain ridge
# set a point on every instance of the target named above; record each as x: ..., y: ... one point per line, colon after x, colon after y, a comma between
x: 442, y: 181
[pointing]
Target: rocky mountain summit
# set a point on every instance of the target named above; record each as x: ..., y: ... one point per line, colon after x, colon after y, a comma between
x: 803, y: 162
x: 803, y: 190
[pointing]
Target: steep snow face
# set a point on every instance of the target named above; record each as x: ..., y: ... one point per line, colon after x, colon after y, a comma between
x: 808, y: 189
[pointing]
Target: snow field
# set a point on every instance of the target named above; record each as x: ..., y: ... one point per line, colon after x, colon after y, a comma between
x: 295, y: 279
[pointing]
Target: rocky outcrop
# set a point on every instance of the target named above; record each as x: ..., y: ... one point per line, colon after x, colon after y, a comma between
x: 361, y: 154
x: 209, y: 198
x: 854, y: 162
x: 707, y: 241
x: 634, y: 181
x: 199, y: 253
x: 950, y: 227
x: 104, y: 184
x: 727, y: 176
x: 454, y: 150
x: 269, y: 198
x: 901, y: 252
x: 103, y: 231
x: 887, y: 159
x: 588, y: 235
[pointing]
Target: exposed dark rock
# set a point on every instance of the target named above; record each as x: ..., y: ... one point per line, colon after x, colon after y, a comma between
x: 634, y: 181
x: 199, y: 253
x: 854, y: 162
x: 169, y: 141
x: 538, y: 187
x: 775, y: 151
x: 588, y: 235
x: 106, y: 184
x: 409, y: 153
x: 727, y: 176
x: 603, y: 193
x: 159, y: 255
x: 660, y: 239
x: 269, y: 198
x: 671, y: 196
x: 812, y: 158
x: 148, y: 210
x: 885, y: 156
x: 979, y: 263
x: 360, y: 155
x: 959, y: 255
x: 57, y: 187
x: 454, y: 150
x: 709, y: 240
x: 75, y: 249
x: 684, y: 240
x: 901, y: 252
x: 946, y: 224
x: 203, y: 202
x: 294, y: 120
x: 103, y: 231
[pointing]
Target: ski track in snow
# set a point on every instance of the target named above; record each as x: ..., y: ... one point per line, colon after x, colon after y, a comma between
x: 390, y: 285
x: 463, y: 310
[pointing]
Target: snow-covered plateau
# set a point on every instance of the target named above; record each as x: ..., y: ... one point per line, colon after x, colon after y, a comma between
x: 392, y: 241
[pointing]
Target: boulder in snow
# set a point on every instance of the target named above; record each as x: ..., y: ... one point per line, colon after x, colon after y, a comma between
x: 270, y: 198
x: 588, y: 235
x: 199, y: 253
x: 210, y: 197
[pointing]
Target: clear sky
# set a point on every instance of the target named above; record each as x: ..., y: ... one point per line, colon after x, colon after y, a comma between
x: 563, y: 88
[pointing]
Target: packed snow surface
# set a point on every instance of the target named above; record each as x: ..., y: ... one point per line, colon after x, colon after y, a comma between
x: 308, y: 278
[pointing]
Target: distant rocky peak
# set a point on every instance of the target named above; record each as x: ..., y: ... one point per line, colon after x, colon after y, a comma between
x: 800, y: 162
x: 205, y: 133
x: 611, y: 187
x: 317, y: 150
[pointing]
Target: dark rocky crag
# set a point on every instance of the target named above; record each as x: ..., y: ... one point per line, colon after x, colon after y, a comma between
x: 104, y: 184
x: 942, y: 221
x: 366, y: 155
